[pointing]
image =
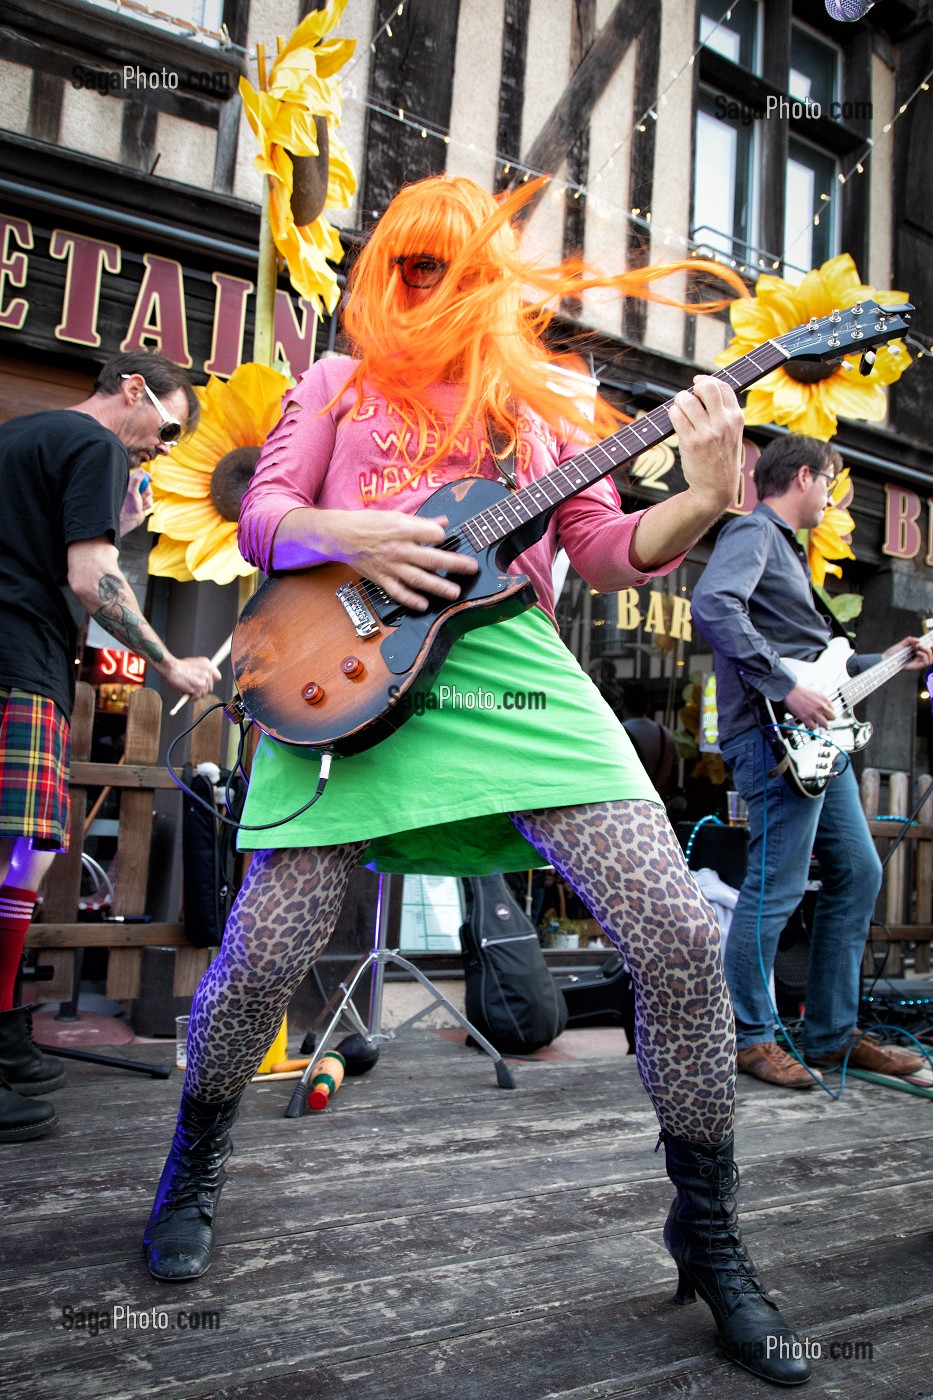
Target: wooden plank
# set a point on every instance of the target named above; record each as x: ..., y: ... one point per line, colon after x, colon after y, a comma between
x: 892, y: 830
x: 105, y: 935
x: 60, y: 985
x: 922, y: 911
x: 907, y: 933
x: 190, y: 966
x: 124, y: 775
x: 467, y: 1243
x: 63, y: 882
x: 144, y: 715
x: 895, y: 874
x: 124, y: 974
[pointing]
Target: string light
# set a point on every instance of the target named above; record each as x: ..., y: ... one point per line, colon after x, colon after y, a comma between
x: 577, y: 191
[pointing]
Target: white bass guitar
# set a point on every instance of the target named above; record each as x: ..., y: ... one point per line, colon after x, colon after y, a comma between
x: 807, y: 754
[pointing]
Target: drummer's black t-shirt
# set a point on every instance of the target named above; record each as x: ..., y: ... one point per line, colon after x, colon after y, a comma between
x: 63, y: 478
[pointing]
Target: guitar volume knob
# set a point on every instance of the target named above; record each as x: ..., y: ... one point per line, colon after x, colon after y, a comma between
x: 312, y: 693
x: 352, y: 667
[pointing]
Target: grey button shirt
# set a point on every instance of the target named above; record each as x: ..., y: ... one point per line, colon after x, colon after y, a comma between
x: 754, y: 605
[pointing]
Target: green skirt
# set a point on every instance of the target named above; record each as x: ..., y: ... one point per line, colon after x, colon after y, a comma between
x: 512, y: 724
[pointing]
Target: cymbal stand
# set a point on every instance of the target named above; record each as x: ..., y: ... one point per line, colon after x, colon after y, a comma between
x: 341, y: 1007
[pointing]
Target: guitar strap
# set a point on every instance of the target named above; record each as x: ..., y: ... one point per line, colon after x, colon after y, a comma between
x: 754, y: 696
x: 505, y: 465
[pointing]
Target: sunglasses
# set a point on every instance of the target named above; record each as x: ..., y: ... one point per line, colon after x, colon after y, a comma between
x: 169, y: 428
x: 420, y: 271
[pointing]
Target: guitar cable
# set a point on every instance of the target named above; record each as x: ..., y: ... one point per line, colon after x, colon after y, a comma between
x: 323, y: 775
x: 818, y: 1081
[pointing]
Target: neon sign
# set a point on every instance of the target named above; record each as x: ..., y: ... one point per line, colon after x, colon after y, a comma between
x: 120, y: 667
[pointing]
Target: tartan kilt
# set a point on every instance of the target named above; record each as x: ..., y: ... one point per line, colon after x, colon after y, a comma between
x: 34, y: 752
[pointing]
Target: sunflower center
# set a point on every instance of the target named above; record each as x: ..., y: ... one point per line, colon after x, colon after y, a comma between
x: 808, y: 371
x: 230, y: 479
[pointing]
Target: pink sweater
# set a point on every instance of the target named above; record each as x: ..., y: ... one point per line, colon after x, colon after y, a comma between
x: 347, y: 459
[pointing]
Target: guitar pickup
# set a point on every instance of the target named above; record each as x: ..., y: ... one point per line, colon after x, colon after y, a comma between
x: 364, y: 624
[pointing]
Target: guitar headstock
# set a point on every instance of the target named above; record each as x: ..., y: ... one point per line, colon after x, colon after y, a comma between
x: 855, y: 330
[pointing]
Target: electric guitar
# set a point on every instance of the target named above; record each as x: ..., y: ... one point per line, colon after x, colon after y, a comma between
x: 326, y: 659
x: 806, y: 755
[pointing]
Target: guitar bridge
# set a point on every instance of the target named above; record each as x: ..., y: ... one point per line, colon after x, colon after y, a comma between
x: 364, y: 624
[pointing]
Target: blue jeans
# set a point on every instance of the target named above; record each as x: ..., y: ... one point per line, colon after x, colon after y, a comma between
x: 833, y: 827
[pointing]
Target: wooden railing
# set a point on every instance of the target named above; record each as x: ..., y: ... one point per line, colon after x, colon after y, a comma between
x: 906, y: 905
x: 138, y: 777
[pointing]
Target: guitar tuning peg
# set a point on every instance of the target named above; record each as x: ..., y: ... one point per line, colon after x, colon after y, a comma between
x: 846, y: 364
x: 867, y: 362
x: 835, y: 317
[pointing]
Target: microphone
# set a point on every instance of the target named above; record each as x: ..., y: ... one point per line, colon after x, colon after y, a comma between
x: 848, y: 10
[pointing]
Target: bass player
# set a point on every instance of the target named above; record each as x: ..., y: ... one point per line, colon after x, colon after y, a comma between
x: 755, y: 605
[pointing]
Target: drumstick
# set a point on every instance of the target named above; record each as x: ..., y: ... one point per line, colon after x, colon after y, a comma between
x: 220, y: 654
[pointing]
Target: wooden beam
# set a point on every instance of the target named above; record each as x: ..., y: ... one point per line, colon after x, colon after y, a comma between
x: 129, y: 775
x: 574, y: 107
x: 512, y: 83
x: 107, y: 935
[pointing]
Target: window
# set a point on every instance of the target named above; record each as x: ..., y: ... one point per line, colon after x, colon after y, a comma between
x: 775, y: 113
x: 206, y: 14
x: 734, y: 35
x: 814, y: 69
x: 722, y: 182
x: 810, y: 174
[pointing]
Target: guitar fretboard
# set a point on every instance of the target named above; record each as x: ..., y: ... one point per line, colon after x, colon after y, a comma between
x: 855, y: 689
x: 496, y: 522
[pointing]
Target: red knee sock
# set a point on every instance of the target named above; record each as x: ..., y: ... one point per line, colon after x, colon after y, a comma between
x: 16, y: 908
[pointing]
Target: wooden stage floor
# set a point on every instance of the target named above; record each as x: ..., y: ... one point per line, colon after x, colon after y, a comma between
x: 432, y: 1237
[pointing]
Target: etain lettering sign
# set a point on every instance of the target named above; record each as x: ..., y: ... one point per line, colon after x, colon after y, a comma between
x: 101, y: 294
x: 908, y: 524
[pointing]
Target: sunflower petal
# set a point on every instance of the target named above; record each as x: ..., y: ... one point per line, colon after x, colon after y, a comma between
x: 167, y: 560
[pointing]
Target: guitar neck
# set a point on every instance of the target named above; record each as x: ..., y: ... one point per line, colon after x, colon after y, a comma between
x: 540, y: 497
x: 854, y: 690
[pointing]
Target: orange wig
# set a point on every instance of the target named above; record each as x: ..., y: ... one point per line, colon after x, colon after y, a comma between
x: 477, y: 327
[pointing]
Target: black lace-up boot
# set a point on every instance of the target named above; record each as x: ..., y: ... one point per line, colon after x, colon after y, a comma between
x: 21, y: 1119
x: 23, y: 1064
x: 703, y: 1237
x: 179, y: 1239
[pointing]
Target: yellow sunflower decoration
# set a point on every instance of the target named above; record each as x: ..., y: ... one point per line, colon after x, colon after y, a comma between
x: 199, y: 485
x: 295, y: 120
x: 810, y: 398
x: 831, y: 539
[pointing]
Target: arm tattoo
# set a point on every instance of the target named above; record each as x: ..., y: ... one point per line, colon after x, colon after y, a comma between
x: 121, y: 622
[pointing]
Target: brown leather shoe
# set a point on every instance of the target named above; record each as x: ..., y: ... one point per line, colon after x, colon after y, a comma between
x: 769, y: 1062
x: 870, y: 1054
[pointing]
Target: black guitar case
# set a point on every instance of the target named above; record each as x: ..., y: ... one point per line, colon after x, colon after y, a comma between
x: 511, y: 996
x: 603, y: 997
